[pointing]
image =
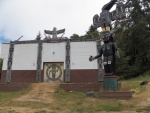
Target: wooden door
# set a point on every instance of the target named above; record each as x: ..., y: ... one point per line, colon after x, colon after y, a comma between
x: 53, y: 72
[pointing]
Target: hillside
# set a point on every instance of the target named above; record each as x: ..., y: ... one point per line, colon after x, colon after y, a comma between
x: 48, y: 98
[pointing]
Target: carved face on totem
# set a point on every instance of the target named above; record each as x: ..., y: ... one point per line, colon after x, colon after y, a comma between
x: 106, y: 36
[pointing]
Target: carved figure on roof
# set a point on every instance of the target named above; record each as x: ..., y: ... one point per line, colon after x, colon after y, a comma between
x: 54, y: 32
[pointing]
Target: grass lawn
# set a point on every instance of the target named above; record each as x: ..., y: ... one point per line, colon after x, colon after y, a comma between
x: 76, y: 102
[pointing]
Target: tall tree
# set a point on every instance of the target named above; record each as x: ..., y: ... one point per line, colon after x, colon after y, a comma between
x: 133, y: 38
x: 74, y: 36
x: 92, y: 32
x: 92, y: 29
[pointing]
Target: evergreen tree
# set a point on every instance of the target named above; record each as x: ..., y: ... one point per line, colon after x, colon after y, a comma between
x: 92, y: 33
x: 74, y: 36
x: 92, y: 29
x: 133, y: 38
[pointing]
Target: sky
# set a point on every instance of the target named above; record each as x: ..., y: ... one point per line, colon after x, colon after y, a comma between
x: 27, y: 17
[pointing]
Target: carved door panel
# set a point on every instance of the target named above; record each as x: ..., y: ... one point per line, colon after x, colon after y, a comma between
x: 53, y: 72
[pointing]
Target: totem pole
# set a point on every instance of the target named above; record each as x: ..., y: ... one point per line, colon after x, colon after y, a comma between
x: 109, y: 48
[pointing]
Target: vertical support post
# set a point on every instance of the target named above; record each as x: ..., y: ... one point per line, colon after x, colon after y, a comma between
x: 67, y: 70
x: 99, y: 62
x: 39, y: 60
x: 9, y: 62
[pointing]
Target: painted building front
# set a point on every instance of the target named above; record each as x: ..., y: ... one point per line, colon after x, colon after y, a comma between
x: 50, y: 61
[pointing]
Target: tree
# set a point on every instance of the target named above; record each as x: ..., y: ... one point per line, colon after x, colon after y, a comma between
x: 75, y: 36
x: 92, y: 33
x: 133, y: 38
x: 38, y: 37
x: 92, y: 29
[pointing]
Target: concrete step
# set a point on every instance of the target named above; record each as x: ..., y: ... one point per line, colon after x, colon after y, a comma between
x: 81, y: 86
x: 125, y: 95
x: 13, y: 86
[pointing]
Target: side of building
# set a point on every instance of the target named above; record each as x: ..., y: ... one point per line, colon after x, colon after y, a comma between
x: 47, y: 61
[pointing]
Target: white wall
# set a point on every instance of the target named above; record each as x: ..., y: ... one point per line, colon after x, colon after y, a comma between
x: 80, y: 53
x: 25, y: 57
x: 54, y: 52
x: 4, y: 55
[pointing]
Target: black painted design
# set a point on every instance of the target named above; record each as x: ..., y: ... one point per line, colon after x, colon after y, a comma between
x: 53, y: 72
x: 67, y: 72
x: 9, y: 62
x: 39, y: 60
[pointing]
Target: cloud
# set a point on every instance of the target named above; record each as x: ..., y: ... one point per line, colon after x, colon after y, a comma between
x: 28, y: 17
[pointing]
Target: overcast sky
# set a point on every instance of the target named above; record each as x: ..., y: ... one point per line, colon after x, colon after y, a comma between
x: 28, y: 17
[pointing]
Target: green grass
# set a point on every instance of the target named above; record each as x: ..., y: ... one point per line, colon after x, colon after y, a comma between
x: 134, y: 83
x: 41, y: 111
x: 147, y: 109
x: 6, y: 97
x: 75, y: 102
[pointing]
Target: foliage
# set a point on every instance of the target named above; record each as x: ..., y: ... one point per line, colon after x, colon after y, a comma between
x: 41, y: 111
x: 91, y: 33
x: 133, y: 38
x: 75, y: 36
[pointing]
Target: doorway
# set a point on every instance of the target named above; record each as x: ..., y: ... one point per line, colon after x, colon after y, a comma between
x: 53, y: 72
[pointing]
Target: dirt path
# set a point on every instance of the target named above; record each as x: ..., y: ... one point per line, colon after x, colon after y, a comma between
x: 22, y: 110
x: 41, y: 92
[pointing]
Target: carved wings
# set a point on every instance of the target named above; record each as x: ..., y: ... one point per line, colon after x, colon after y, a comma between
x: 51, y: 32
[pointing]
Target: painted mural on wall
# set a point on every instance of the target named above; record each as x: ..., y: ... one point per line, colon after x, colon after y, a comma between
x: 53, y: 72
